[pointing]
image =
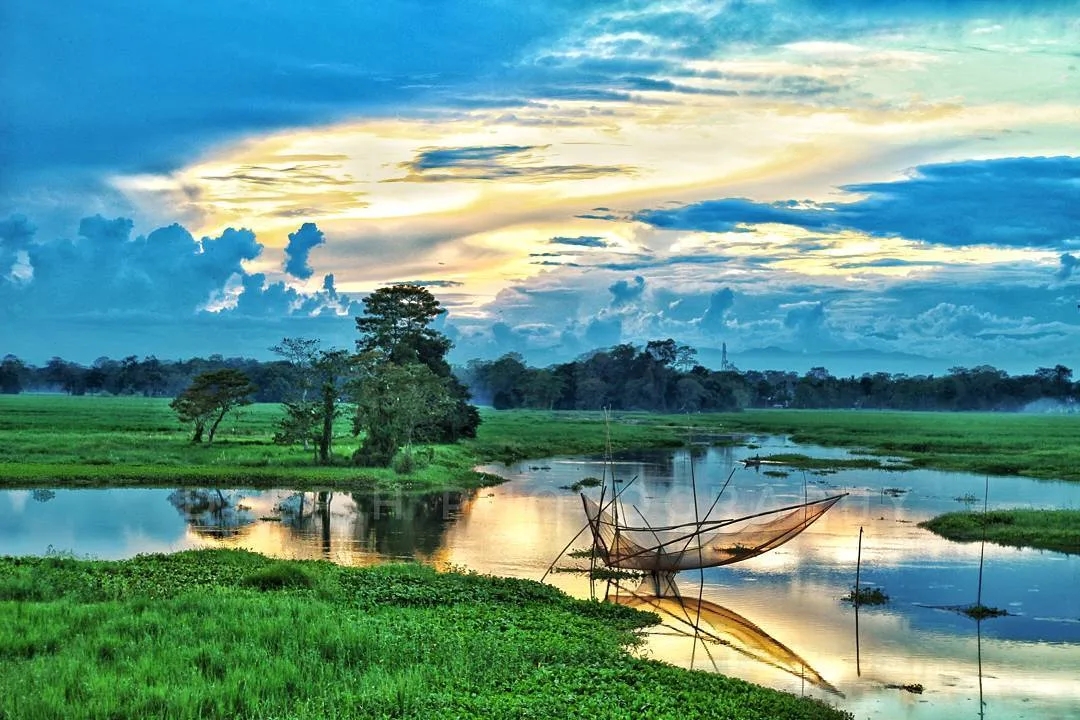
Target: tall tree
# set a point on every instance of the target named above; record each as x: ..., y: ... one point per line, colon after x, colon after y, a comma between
x: 209, y: 398
x: 397, y: 329
x: 397, y: 322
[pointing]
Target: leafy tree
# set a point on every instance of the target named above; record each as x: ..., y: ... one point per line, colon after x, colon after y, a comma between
x: 396, y: 329
x: 397, y: 322
x: 11, y: 375
x: 313, y: 420
x: 396, y: 404
x: 301, y: 354
x: 331, y: 367
x: 209, y: 398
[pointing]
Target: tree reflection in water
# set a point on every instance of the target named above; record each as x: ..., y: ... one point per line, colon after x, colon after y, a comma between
x: 211, y: 512
x: 388, y: 525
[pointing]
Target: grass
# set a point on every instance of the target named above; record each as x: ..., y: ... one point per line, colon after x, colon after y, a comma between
x: 1057, y: 530
x: 866, y: 596
x: 1038, y: 446
x: 54, y: 441
x: 981, y: 612
x: 59, y: 441
x: 224, y: 634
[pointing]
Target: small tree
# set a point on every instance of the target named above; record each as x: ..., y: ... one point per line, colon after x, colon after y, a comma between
x: 313, y: 420
x: 209, y: 399
x: 396, y: 405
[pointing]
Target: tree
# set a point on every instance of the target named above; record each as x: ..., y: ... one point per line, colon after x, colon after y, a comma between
x: 396, y: 404
x: 209, y: 398
x: 301, y: 354
x: 302, y: 417
x: 396, y: 322
x: 11, y: 375
x: 396, y: 329
x: 331, y: 367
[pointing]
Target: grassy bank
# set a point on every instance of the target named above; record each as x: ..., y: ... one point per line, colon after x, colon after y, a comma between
x: 1039, y: 446
x: 223, y: 634
x: 61, y: 441
x: 116, y: 441
x: 1043, y: 529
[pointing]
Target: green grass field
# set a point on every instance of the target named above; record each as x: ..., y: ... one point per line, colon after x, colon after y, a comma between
x: 95, y: 441
x: 226, y: 634
x: 1057, y: 530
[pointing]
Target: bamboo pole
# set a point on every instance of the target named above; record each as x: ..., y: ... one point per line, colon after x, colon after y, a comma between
x: 982, y: 548
x: 858, y: 568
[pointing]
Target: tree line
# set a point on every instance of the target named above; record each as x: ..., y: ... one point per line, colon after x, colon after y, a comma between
x: 664, y: 376
x: 659, y: 376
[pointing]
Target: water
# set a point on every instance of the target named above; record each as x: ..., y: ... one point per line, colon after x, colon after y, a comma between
x: 778, y: 616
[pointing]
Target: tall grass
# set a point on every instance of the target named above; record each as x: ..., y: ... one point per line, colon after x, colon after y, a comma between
x: 192, y: 636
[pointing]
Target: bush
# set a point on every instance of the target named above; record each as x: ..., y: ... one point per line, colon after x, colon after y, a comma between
x: 408, y: 460
x: 279, y: 576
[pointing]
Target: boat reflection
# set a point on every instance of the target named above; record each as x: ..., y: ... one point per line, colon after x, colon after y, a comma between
x: 713, y: 625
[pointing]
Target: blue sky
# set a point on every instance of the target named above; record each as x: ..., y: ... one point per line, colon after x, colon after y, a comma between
x: 856, y: 185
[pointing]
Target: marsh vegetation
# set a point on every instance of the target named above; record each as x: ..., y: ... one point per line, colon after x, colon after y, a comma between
x: 232, y: 634
x: 1057, y: 530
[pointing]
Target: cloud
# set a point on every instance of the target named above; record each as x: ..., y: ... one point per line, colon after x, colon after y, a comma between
x: 624, y: 292
x: 1026, y: 202
x: 75, y: 83
x: 300, y: 245
x: 15, y: 235
x: 497, y: 162
x: 805, y: 317
x: 1068, y: 264
x: 887, y: 262
x: 719, y: 303
x: 166, y: 283
x: 604, y: 332
x: 432, y: 283
x: 588, y: 241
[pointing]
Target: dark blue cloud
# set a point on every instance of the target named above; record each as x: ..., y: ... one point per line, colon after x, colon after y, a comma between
x: 736, y: 215
x: 300, y: 245
x: 132, y: 86
x: 887, y: 262
x: 623, y: 292
x: 433, y: 283
x: 1011, y: 202
x: 719, y: 303
x: 589, y: 241
x: 15, y: 236
x: 162, y: 287
x: 1068, y: 264
x: 495, y: 162
x: 805, y: 317
x: 603, y: 332
x: 482, y: 156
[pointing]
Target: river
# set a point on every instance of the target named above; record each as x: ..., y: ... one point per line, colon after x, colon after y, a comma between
x: 776, y: 620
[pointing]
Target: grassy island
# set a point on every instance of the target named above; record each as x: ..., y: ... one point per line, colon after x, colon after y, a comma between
x: 1057, y: 530
x: 227, y: 634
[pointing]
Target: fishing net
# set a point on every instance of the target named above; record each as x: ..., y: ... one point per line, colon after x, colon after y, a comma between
x: 688, y: 546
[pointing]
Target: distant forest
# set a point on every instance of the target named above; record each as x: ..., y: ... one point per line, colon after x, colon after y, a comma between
x: 662, y: 376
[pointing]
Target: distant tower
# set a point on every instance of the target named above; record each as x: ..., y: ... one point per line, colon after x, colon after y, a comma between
x: 724, y: 364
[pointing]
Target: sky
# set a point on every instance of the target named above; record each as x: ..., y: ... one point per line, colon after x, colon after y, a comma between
x: 861, y: 186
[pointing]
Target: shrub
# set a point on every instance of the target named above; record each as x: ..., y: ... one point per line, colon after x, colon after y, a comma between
x: 279, y: 576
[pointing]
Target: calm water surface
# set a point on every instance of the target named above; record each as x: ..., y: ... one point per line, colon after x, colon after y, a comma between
x: 775, y: 620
